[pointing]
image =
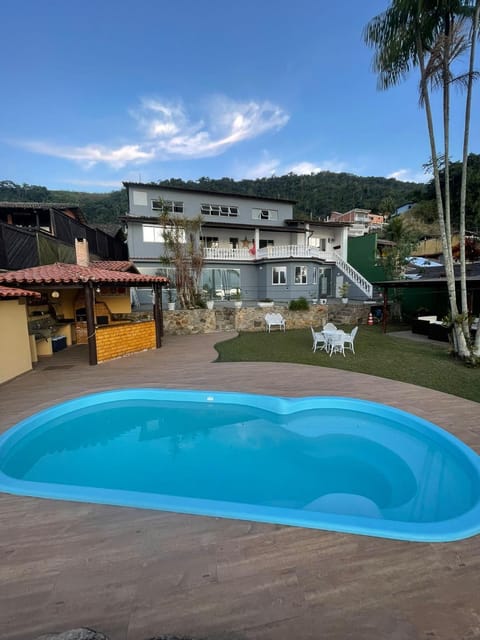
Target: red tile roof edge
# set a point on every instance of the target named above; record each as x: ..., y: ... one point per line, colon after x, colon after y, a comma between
x: 15, y: 292
x: 61, y: 273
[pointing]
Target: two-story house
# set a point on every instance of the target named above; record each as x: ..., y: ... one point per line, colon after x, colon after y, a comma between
x: 249, y: 243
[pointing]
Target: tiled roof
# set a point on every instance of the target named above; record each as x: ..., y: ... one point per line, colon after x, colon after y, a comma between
x: 115, y: 265
x: 61, y: 273
x: 15, y: 292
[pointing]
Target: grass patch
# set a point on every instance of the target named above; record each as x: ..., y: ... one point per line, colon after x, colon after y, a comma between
x: 424, y: 364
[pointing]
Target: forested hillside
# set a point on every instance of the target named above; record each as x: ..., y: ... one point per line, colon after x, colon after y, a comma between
x: 316, y: 194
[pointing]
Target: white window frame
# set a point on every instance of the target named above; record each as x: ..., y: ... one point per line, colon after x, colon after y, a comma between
x: 264, y: 214
x: 277, y: 275
x: 168, y: 206
x: 301, y: 274
x: 154, y: 233
x: 218, y: 210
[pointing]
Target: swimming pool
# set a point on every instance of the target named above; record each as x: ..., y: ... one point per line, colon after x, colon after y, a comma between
x: 330, y: 463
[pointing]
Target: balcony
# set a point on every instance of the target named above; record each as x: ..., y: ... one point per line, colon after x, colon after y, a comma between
x: 270, y: 252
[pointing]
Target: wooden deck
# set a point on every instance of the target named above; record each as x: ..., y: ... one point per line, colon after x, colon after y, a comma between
x: 134, y: 574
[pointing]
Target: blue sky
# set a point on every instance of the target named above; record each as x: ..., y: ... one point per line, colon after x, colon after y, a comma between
x: 97, y: 92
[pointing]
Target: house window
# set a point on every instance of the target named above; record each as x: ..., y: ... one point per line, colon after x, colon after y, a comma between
x: 210, y: 242
x: 167, y: 206
x: 265, y: 243
x: 320, y: 243
x: 218, y: 210
x: 279, y: 275
x: 155, y: 233
x: 301, y: 275
x: 264, y: 214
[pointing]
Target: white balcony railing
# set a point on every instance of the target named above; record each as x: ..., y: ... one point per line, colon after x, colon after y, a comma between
x: 280, y: 251
x: 226, y: 253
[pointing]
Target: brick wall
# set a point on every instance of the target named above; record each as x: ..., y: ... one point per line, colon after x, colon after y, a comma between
x: 114, y: 341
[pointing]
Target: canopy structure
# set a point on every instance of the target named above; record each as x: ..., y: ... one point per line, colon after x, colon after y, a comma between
x: 63, y: 275
x: 430, y: 281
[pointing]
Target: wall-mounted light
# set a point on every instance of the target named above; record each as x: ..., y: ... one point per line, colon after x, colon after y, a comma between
x: 98, y: 290
x: 55, y: 294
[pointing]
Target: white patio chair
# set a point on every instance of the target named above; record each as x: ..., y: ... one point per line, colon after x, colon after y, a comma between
x: 274, y: 320
x: 318, y: 339
x: 329, y: 327
x: 336, y: 343
x: 349, y: 339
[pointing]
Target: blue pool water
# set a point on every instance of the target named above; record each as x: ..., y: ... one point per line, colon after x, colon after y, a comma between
x: 323, y: 462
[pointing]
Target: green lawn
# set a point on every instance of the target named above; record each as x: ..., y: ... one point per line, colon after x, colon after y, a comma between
x: 424, y: 364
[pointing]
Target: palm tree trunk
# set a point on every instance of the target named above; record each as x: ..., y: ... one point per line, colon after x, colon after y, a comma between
x: 463, y: 184
x: 460, y: 344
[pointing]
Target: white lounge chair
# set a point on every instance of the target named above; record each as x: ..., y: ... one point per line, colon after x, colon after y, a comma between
x: 349, y: 339
x: 274, y: 320
x: 318, y: 339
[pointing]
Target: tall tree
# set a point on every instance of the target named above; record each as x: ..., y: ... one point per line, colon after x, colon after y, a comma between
x: 424, y: 34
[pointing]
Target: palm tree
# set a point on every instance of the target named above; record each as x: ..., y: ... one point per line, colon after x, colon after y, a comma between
x: 424, y: 34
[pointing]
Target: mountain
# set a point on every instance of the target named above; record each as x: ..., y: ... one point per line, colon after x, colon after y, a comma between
x: 317, y: 195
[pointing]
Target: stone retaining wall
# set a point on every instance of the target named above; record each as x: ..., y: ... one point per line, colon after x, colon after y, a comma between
x: 191, y: 321
x: 243, y: 319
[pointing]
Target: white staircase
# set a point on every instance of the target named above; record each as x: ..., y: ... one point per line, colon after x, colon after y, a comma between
x: 353, y: 275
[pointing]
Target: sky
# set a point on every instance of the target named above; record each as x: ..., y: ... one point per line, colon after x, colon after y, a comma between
x: 98, y: 92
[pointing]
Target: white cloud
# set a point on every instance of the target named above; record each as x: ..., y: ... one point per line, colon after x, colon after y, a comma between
x: 114, y: 184
x: 264, y: 169
x: 92, y: 154
x: 268, y: 167
x: 174, y: 135
x: 306, y: 168
x: 408, y: 175
x: 167, y: 131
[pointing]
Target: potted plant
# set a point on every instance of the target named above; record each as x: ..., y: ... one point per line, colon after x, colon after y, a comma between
x: 343, y: 291
x: 236, y: 296
x: 266, y: 302
x: 170, y: 299
x: 208, y: 295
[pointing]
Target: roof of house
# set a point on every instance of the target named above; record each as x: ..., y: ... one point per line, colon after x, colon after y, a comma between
x: 15, y: 292
x: 431, y: 276
x: 154, y: 185
x: 115, y: 265
x: 290, y: 223
x: 111, y: 229
x: 61, y: 273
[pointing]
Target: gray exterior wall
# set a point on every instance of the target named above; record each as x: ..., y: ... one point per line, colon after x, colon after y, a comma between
x: 192, y: 202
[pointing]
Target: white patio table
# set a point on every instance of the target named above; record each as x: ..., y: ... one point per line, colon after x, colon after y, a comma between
x: 334, y: 341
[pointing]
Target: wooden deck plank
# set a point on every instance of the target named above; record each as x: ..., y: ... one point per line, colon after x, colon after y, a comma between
x: 135, y: 573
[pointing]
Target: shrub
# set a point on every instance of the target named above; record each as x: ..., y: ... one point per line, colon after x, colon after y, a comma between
x: 300, y: 304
